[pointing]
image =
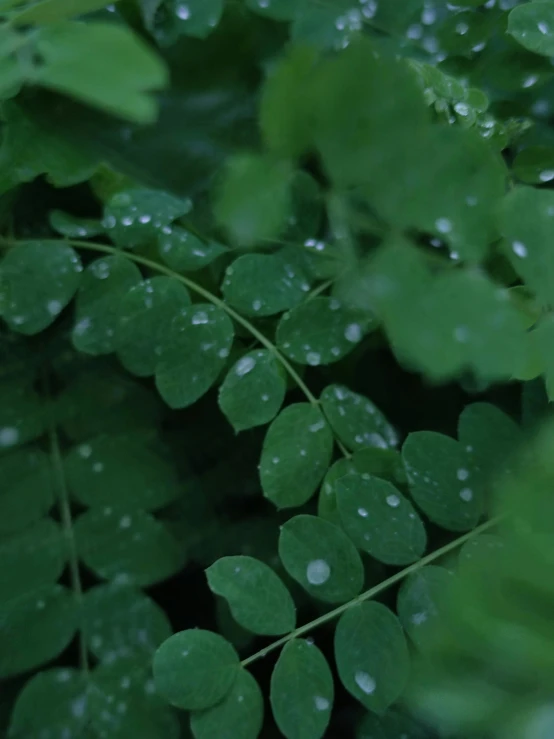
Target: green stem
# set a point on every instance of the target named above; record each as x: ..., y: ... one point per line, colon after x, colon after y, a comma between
x: 372, y: 592
x: 67, y: 526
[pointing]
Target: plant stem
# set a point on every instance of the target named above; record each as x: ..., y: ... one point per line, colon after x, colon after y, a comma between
x: 372, y: 592
x: 67, y: 526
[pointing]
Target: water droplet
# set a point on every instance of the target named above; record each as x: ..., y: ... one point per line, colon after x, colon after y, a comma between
x: 9, y: 436
x: 462, y: 109
x: 466, y: 495
x: 100, y: 269
x: 363, y: 513
x: 530, y: 80
x: 318, y: 572
x: 317, y: 426
x: 183, y: 12
x: 256, y: 305
x: 223, y: 353
x: 127, y: 221
x: 519, y: 249
x: 313, y: 358
x: 125, y: 683
x: 429, y: 16
x: 462, y: 474
x: 546, y: 175
x: 125, y: 522
x: 365, y: 682
x: 543, y: 27
x: 97, y: 467
x: 462, y: 28
x: 419, y: 618
x: 53, y: 307
x: 275, y: 460
x: 443, y: 225
x: 79, y: 705
x: 302, y: 452
x: 200, y: 317
x: 244, y: 366
x: 321, y: 704
x: 353, y: 332
x: 393, y: 501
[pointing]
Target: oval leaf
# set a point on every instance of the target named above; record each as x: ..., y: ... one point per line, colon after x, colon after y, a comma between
x: 320, y: 556
x: 185, y: 252
x: 296, y: 454
x: 256, y: 595
x: 418, y: 601
x: 380, y: 520
x: 532, y: 25
x: 195, y: 669
x: 302, y: 691
x: 372, y: 655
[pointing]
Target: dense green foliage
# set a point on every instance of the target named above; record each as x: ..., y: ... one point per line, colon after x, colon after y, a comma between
x: 275, y: 281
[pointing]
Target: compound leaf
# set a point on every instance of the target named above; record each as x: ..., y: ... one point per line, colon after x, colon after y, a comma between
x: 257, y: 597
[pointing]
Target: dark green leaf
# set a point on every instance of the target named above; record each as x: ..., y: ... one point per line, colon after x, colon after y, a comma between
x: 419, y: 601
x: 104, y: 283
x: 194, y: 349
x: 37, y: 281
x: 144, y: 313
x: 380, y: 520
x: 263, y: 284
x: 74, y: 227
x: 52, y: 11
x: 195, y: 669
x: 22, y: 413
x: 320, y: 556
x: 296, y: 453
x: 194, y: 18
x: 26, y: 493
x: 256, y: 595
x: 185, y: 252
x: 253, y: 390
x: 372, y: 655
x: 302, y: 691
x: 238, y: 716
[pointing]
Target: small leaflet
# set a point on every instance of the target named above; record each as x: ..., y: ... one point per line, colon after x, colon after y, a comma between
x: 184, y: 252
x: 532, y: 26
x: 74, y: 227
x: 419, y: 599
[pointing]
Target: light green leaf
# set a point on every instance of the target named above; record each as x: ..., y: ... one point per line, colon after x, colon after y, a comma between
x: 26, y: 493
x: 418, y: 601
x: 526, y: 220
x: 253, y: 200
x: 372, y: 655
x: 195, y: 669
x: 130, y: 547
x: 193, y: 351
x: 532, y: 25
x: 104, y: 283
x: 320, y: 556
x: 36, y: 628
x: 534, y: 164
x: 22, y: 413
x: 31, y: 559
x: 253, y: 391
x: 74, y: 227
x: 380, y: 520
x: 302, y: 691
x: 441, y: 478
x: 258, y: 599
x: 491, y: 439
x: 185, y: 252
x: 238, y: 716
x: 321, y: 331
x: 295, y: 455
x: 356, y: 420
x: 391, y: 726
x: 121, y: 471
x: 264, y: 284
x: 103, y: 64
x: 121, y: 622
x: 37, y: 281
x: 136, y: 217
x: 144, y: 313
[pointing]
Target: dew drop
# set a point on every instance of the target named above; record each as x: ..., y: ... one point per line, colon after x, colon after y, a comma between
x: 9, y: 436
x: 125, y: 522
x: 353, y: 332
x: 546, y: 175
x: 318, y: 572
x: 519, y: 249
x: 313, y: 359
x: 53, y: 307
x: 365, y: 682
x: 183, y: 12
x: 419, y: 618
x: 393, y: 501
x: 200, y: 317
x: 462, y: 474
x: 466, y: 495
x: 363, y: 513
x: 244, y: 366
x: 321, y: 704
x: 443, y: 225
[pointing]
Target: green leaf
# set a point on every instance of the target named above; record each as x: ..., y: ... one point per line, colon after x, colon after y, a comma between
x: 302, y: 691
x: 52, y: 11
x: 144, y: 313
x: 440, y: 474
x: 532, y: 25
x: 195, y: 669
x: 102, y: 64
x: 321, y: 331
x: 320, y: 556
x: 121, y: 622
x: 330, y: 25
x: 534, y: 165
x: 356, y: 420
x: 263, y: 284
x: 256, y: 595
x: 391, y: 726
x: 279, y: 10
x: 37, y: 280
x: 194, y: 349
x: 478, y: 549
x: 74, y: 227
x: 130, y: 547
x: 31, y: 559
x: 104, y: 283
x: 253, y: 199
x: 238, y: 716
x: 22, y: 413
x: 253, y: 390
x: 136, y: 217
x: 418, y: 602
x: 295, y: 455
x: 197, y: 18
x: 526, y: 221
x: 26, y: 493
x: 372, y: 655
x: 185, y: 252
x: 380, y: 520
x: 41, y: 624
